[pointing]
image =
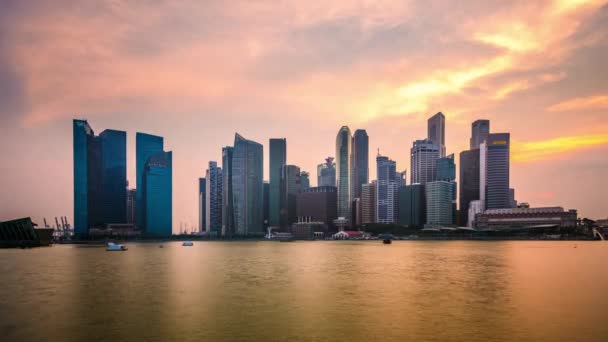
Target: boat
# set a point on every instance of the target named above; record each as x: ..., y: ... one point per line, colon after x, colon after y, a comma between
x: 114, y: 247
x: 387, y: 241
x: 161, y: 246
x: 188, y: 244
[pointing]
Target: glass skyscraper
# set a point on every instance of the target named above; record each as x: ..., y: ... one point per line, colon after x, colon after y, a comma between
x: 277, y: 161
x: 424, y: 155
x: 494, y: 168
x: 343, y: 171
x: 436, y: 132
x: 292, y: 186
x: 114, y: 176
x: 146, y: 145
x: 480, y: 129
x: 202, y: 205
x: 158, y: 195
x: 386, y: 190
x: 227, y: 196
x: 360, y: 160
x: 469, y: 182
x: 304, y: 180
x: 439, y: 203
x: 247, y: 186
x: 412, y: 205
x: 213, y: 197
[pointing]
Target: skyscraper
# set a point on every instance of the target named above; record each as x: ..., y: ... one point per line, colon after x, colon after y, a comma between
x: 213, y: 199
x: 202, y: 205
x: 326, y: 173
x: 386, y: 190
x: 424, y: 155
x: 227, y: 195
x: 131, y: 194
x: 158, y: 195
x: 479, y: 132
x: 469, y: 182
x: 494, y: 169
x: 360, y: 162
x: 277, y: 160
x: 304, y: 181
x: 412, y: 205
x: 266, y: 204
x: 247, y: 186
x: 100, y: 177
x: 439, y: 203
x: 446, y: 171
x: 343, y: 172
x: 436, y: 131
x: 292, y: 186
x: 146, y: 145
x: 368, y: 203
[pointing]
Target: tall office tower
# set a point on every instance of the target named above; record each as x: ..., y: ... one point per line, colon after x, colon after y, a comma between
x: 360, y: 162
x: 439, y: 203
x: 292, y: 186
x: 343, y: 173
x: 266, y: 204
x: 424, y: 155
x: 304, y: 180
x: 131, y: 194
x: 202, y: 205
x: 412, y: 205
x: 100, y: 177
x: 469, y: 182
x: 386, y: 190
x: 480, y: 129
x: 494, y: 171
x: 277, y: 160
x: 213, y: 197
x: 248, y: 187
x: 326, y: 173
x: 227, y: 195
x: 401, y: 178
x: 158, y: 195
x: 146, y: 145
x: 368, y: 203
x: 446, y: 171
x: 436, y: 131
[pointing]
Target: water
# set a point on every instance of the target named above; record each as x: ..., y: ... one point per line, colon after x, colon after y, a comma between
x: 308, y: 291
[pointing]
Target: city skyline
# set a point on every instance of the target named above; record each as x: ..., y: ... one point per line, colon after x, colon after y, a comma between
x: 541, y: 80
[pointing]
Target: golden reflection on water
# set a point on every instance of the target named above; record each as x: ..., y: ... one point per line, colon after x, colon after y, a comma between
x: 356, y: 291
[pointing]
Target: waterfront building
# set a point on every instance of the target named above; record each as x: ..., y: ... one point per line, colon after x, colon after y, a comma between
x: 480, y: 129
x: 469, y: 183
x: 494, y: 171
x: 412, y: 205
x: 386, y: 190
x: 446, y: 171
x: 475, y: 207
x: 343, y: 171
x: 318, y: 204
x: 423, y: 161
x: 146, y: 145
x: 439, y: 203
x: 292, y: 186
x: 277, y: 161
x: 526, y: 218
x: 368, y: 203
x: 227, y: 194
x: 213, y: 199
x: 266, y: 204
x: 202, y: 205
x: 512, y: 200
x: 247, y: 187
x: 355, y: 207
x: 436, y: 132
x: 158, y: 195
x: 131, y: 195
x: 304, y: 180
x: 360, y: 162
x: 326, y: 173
x: 100, y: 177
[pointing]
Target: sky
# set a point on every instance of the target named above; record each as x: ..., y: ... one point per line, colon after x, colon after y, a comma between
x: 196, y: 72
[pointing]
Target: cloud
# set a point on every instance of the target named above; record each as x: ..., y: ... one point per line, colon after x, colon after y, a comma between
x: 546, y: 149
x: 581, y: 104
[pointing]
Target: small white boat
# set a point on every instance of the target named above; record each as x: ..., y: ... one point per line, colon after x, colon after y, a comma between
x: 114, y: 247
x: 188, y: 243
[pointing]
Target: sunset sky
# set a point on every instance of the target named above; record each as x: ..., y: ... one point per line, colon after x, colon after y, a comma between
x: 196, y: 72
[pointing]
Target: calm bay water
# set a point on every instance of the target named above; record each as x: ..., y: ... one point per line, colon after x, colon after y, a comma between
x: 303, y: 291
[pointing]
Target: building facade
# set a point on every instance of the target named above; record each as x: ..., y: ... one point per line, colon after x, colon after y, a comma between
x: 304, y: 180
x: 494, y: 169
x: 412, y: 205
x: 213, y: 199
x: 436, y: 132
x: 131, y: 198
x: 439, y: 209
x: 292, y: 186
x: 158, y: 195
x: 202, y: 205
x: 318, y: 204
x: 469, y: 182
x: 343, y: 171
x: 326, y: 173
x: 146, y: 145
x: 386, y: 190
x: 368, y: 203
x: 526, y: 218
x: 423, y: 161
x: 360, y: 161
x: 248, y: 187
x: 480, y: 129
x: 277, y: 161
x: 227, y: 195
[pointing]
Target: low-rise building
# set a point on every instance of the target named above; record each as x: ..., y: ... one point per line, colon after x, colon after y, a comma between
x: 521, y: 218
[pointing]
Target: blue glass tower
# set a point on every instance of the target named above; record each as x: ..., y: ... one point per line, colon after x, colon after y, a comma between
x: 82, y: 133
x: 248, y: 187
x: 276, y: 198
x: 227, y: 198
x: 157, y: 195
x: 114, y: 176
x: 146, y: 145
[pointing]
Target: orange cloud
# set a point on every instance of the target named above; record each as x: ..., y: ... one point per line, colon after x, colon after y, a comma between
x: 581, y: 103
x: 545, y: 149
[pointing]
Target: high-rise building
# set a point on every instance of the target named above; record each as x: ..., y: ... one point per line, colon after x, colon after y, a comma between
x: 277, y: 161
x: 480, y: 129
x: 343, y: 171
x: 436, y: 132
x: 158, y: 195
x: 292, y: 186
x: 360, y: 162
x: 317, y: 204
x: 412, y: 205
x: 494, y: 171
x: 304, y: 180
x: 266, y: 204
x: 446, y: 171
x: 368, y: 203
x: 386, y: 190
x: 213, y: 198
x: 146, y: 145
x: 469, y: 182
x: 326, y: 173
x: 202, y: 205
x: 401, y: 178
x: 248, y: 187
x: 227, y: 194
x: 439, y: 203
x: 512, y: 200
x: 424, y: 155
x: 131, y: 195
x: 100, y: 177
